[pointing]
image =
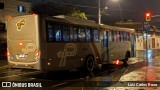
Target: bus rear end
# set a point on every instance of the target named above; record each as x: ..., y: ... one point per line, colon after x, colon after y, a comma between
x: 23, y: 42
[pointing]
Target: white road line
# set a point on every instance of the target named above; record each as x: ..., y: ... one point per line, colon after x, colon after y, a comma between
x: 18, y: 75
x: 59, y: 84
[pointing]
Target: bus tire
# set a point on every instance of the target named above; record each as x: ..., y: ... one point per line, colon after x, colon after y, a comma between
x: 127, y: 56
x: 89, y: 64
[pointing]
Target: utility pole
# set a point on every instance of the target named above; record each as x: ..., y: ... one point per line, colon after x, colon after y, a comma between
x: 99, y: 12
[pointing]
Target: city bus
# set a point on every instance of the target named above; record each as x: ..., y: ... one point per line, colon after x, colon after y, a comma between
x: 62, y: 43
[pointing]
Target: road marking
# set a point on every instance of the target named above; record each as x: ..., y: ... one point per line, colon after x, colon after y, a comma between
x: 19, y: 75
x: 59, y: 84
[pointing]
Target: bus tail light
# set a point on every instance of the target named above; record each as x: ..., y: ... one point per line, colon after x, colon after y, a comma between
x: 20, y: 43
x: 8, y: 54
x: 9, y: 18
x: 117, y: 62
x: 37, y: 53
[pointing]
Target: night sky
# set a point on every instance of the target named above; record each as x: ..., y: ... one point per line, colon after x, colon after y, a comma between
x: 117, y: 11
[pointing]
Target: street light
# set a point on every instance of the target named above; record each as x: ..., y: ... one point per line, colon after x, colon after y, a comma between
x: 101, y: 12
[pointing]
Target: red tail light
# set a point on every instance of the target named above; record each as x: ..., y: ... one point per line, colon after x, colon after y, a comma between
x: 117, y: 62
x: 8, y: 54
x: 9, y: 18
x: 37, y: 53
x: 20, y: 43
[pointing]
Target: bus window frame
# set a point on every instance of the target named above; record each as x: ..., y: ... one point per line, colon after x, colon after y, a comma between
x: 54, y: 38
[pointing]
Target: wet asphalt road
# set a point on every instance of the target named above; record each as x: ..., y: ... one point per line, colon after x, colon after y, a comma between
x: 67, y: 80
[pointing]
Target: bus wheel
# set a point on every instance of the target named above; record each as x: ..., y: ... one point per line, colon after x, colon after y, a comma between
x: 125, y: 64
x: 89, y: 63
x: 127, y: 56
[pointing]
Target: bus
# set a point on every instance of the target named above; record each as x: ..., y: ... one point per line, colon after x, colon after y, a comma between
x: 62, y: 43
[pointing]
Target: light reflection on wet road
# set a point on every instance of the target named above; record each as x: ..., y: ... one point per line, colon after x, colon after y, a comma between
x: 77, y: 80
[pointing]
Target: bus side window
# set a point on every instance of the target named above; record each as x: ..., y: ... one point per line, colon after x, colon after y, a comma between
x: 102, y: 38
x: 128, y: 36
x: 124, y: 36
x: 106, y: 38
x: 50, y: 33
x: 112, y: 36
x: 81, y: 34
x: 121, y: 35
x: 65, y: 30
x: 118, y: 38
x: 88, y: 35
x: 58, y: 33
x: 115, y: 36
x: 73, y: 34
x: 95, y: 35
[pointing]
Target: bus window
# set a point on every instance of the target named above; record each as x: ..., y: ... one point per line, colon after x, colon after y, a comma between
x: 95, y: 35
x: 111, y: 36
x: 106, y: 39
x: 88, y: 34
x: 121, y: 36
x: 125, y: 36
x: 65, y: 30
x: 75, y: 34
x: 115, y: 36
x: 102, y: 38
x: 128, y: 36
x: 71, y: 34
x: 50, y: 34
x: 58, y: 33
x: 54, y: 32
x: 81, y: 34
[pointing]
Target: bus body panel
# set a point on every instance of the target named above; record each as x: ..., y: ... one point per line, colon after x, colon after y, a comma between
x: 118, y: 50
x: 28, y: 46
x: 23, y: 42
x: 63, y: 56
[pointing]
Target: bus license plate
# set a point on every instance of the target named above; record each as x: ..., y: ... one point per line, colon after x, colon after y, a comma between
x: 22, y: 56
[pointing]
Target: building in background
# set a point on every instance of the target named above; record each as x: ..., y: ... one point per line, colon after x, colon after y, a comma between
x: 153, y: 36
x: 9, y: 9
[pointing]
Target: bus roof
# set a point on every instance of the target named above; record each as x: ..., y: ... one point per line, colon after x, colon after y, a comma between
x: 77, y: 21
x: 117, y: 28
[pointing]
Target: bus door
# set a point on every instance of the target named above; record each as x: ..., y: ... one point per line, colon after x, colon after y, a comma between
x: 104, y: 47
x: 132, y: 45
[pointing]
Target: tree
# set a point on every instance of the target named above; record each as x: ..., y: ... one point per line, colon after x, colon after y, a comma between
x: 55, y: 8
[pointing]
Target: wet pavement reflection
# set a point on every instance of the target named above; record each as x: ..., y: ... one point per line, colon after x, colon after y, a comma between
x: 111, y: 77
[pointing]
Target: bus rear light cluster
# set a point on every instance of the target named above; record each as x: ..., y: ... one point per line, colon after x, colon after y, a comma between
x: 117, y: 62
x: 9, y: 18
x: 8, y: 54
x: 20, y: 43
x: 37, y: 53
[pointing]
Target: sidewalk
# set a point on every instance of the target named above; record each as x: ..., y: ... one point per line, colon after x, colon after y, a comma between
x: 139, y: 76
